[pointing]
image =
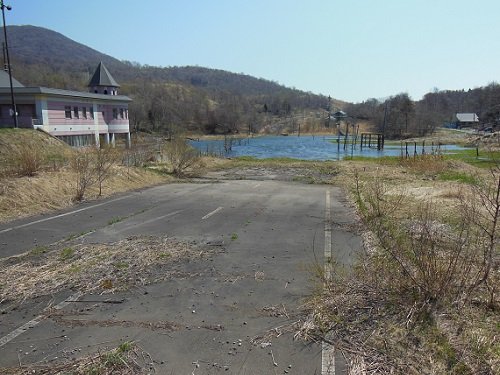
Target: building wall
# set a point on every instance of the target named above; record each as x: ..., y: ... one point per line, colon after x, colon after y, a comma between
x: 102, y: 123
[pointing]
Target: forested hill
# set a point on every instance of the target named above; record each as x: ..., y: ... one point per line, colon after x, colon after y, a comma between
x: 37, y: 46
x: 191, y: 97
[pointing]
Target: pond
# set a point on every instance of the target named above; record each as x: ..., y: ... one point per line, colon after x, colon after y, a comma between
x: 307, y: 148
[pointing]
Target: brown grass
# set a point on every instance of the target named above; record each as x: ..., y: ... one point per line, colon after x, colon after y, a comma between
x: 47, y: 191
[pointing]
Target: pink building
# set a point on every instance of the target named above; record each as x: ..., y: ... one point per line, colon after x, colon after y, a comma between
x: 78, y: 118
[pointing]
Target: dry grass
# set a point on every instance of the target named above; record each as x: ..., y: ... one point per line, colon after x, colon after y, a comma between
x: 127, y: 359
x: 375, y: 314
x: 26, y: 196
x: 97, y: 268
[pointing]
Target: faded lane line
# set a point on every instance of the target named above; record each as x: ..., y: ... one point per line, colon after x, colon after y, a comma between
x: 212, y: 213
x: 327, y: 350
x: 61, y: 215
x: 148, y: 221
x: 328, y: 236
x: 34, y: 322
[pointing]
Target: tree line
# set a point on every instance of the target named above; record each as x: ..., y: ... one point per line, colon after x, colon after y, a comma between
x: 399, y: 116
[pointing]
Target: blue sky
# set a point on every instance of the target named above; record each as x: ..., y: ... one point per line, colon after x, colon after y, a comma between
x: 350, y: 49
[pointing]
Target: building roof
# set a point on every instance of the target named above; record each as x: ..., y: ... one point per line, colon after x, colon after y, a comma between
x: 467, y: 117
x: 59, y: 92
x: 102, y: 77
x: 4, y: 80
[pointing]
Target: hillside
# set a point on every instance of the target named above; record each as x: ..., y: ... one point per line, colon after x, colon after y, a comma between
x: 165, y: 98
x: 37, y: 47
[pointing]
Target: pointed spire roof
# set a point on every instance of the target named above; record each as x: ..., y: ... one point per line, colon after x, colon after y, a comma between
x: 4, y: 80
x: 102, y: 77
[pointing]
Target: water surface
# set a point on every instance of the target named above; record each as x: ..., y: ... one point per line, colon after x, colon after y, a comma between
x: 307, y: 148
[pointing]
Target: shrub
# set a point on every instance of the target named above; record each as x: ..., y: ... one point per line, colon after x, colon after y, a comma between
x: 82, y: 165
x: 180, y: 155
x: 27, y: 159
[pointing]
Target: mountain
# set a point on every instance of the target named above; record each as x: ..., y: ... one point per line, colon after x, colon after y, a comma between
x: 36, y: 46
x: 191, y: 97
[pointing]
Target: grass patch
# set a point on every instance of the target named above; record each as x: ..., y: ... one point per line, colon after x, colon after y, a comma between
x: 76, y: 235
x: 486, y: 159
x: 66, y: 253
x: 39, y: 250
x: 387, y: 160
x: 116, y: 219
x: 121, y: 265
x: 234, y: 237
x: 458, y: 176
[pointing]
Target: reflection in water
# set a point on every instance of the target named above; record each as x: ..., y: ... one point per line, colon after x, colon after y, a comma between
x: 308, y: 148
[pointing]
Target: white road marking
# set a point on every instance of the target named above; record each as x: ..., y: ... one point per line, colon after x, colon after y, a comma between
x: 34, y: 322
x: 61, y: 215
x: 257, y: 185
x: 147, y: 221
x: 328, y: 237
x: 327, y: 350
x: 327, y: 359
x: 212, y: 213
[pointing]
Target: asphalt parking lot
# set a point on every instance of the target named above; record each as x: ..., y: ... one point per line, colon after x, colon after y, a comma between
x: 235, y: 310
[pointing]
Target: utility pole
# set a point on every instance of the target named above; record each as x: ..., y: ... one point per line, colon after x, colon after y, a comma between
x: 14, y: 109
x: 329, y: 109
x: 385, y: 119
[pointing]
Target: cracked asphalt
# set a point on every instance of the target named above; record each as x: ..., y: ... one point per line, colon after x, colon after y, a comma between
x: 234, y: 312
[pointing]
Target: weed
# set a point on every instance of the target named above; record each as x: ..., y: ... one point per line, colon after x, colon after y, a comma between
x: 76, y: 235
x: 39, y: 250
x: 164, y: 255
x: 234, y: 237
x: 66, y: 253
x: 121, y: 265
x: 74, y: 269
x: 115, y: 220
x: 125, y: 347
x: 107, y: 284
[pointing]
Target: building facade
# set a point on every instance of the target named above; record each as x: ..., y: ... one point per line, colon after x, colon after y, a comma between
x: 78, y: 118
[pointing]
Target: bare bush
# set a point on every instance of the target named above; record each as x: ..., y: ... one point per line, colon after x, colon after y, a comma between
x: 141, y: 153
x: 401, y: 308
x: 180, y: 155
x: 27, y: 159
x: 82, y: 165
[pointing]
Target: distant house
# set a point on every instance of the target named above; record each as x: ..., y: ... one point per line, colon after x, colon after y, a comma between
x: 466, y: 120
x: 78, y: 118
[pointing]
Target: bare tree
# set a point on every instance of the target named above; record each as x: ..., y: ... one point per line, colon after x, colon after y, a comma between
x: 104, y: 159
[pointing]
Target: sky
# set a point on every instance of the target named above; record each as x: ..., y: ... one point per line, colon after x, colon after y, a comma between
x: 352, y: 50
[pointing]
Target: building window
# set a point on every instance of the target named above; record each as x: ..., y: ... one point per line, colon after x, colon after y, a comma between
x: 126, y: 114
x: 84, y: 112
x: 91, y: 112
x: 75, y: 112
x: 122, y: 116
x: 67, y: 111
x: 115, y: 113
